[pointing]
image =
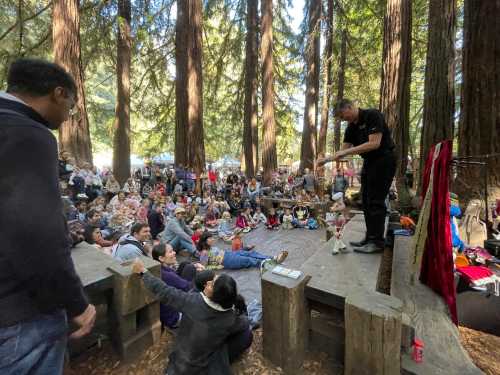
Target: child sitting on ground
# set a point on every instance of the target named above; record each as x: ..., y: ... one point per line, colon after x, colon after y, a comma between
x: 258, y: 216
x: 272, y: 220
x: 312, y: 223
x: 197, y: 232
x: 242, y: 222
x: 300, y: 216
x: 225, y: 229
x: 211, y: 218
x: 287, y: 219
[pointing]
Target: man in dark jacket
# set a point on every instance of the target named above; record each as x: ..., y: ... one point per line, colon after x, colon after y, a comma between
x: 39, y: 288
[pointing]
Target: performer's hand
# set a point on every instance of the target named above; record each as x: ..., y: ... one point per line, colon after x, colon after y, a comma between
x: 339, y: 155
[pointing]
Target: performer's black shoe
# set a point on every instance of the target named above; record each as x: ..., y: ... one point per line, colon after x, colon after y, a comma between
x: 358, y: 243
x: 369, y: 248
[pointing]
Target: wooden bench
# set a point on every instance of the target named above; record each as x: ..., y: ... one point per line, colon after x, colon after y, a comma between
x: 127, y: 313
x: 427, y: 316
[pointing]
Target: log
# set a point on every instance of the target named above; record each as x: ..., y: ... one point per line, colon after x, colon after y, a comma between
x: 372, y: 333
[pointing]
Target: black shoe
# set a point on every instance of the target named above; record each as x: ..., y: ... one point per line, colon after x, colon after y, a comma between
x: 369, y: 248
x: 358, y: 243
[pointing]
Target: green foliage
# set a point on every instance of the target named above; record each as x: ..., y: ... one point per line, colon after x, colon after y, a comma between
x: 224, y: 28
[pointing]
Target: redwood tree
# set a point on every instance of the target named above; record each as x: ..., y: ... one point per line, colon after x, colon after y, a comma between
x: 395, y: 87
x: 269, y: 158
x: 480, y: 109
x: 308, y: 148
x: 340, y: 87
x: 439, y: 93
x: 181, y: 63
x: 74, y: 135
x: 121, y: 149
x: 327, y: 89
x: 195, y: 136
x: 250, y: 133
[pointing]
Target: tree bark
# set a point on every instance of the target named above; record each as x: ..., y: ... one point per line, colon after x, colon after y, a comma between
x: 195, y: 135
x: 181, y: 100
x: 308, y: 148
x: 121, y: 149
x: 479, y: 128
x: 340, y: 86
x: 74, y: 134
x: 327, y: 81
x: 395, y: 88
x: 269, y: 157
x: 439, y: 92
x: 250, y: 133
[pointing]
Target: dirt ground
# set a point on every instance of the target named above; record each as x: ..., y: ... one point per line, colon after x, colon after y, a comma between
x: 152, y: 362
x: 483, y: 349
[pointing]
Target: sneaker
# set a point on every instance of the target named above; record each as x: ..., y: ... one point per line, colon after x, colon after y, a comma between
x: 280, y: 258
x: 358, y: 243
x: 369, y: 248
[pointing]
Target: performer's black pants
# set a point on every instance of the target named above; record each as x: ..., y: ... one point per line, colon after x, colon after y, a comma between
x: 376, y: 179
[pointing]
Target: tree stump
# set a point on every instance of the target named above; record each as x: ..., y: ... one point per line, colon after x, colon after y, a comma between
x: 372, y: 334
x: 285, y: 321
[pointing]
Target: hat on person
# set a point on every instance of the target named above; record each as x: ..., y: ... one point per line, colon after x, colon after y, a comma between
x: 338, y: 196
x: 180, y: 210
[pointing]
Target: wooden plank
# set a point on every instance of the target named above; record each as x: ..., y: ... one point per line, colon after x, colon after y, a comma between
x: 443, y: 352
x: 333, y: 276
x: 372, y: 333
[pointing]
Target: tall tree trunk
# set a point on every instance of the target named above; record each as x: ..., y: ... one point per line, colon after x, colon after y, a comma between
x: 121, y: 149
x: 250, y: 133
x: 395, y: 88
x: 439, y: 92
x: 74, y: 134
x: 327, y: 81
x: 196, y: 155
x: 181, y: 100
x: 340, y: 86
x: 269, y: 157
x: 480, y: 110
x: 308, y: 148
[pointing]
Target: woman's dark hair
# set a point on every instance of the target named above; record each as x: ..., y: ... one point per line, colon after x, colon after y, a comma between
x: 136, y: 228
x: 225, y: 291
x: 201, y: 279
x: 158, y: 251
x: 88, y: 233
x: 37, y: 78
x: 202, y: 243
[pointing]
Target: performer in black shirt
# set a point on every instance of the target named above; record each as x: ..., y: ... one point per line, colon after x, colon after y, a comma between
x: 368, y: 135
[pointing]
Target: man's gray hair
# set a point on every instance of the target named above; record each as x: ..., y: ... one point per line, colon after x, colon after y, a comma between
x: 343, y: 104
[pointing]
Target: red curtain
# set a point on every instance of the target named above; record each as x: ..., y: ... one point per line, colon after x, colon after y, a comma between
x: 437, y: 261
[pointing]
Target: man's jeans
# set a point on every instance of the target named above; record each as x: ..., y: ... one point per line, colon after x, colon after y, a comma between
x: 179, y: 243
x: 236, y: 260
x: 34, y: 347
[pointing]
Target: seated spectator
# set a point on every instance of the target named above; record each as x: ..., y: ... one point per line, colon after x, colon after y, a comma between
x: 211, y: 217
x: 130, y: 246
x: 287, y: 219
x: 235, y: 260
x: 112, y: 187
x: 172, y: 275
x: 197, y: 232
x: 340, y: 182
x: 93, y: 236
x: 242, y: 223
x: 258, y: 216
x: 208, y: 322
x: 81, y: 208
x: 143, y: 211
x: 178, y: 234
x: 225, y: 229
x: 118, y: 201
x: 156, y: 221
x: 272, y: 220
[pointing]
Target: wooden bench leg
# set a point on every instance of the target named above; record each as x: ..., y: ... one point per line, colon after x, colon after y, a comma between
x: 372, y: 334
x: 285, y: 321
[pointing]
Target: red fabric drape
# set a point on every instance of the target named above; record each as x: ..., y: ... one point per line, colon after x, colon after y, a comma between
x: 437, y: 261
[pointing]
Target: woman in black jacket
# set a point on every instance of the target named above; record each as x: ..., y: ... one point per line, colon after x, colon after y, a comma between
x: 208, y: 321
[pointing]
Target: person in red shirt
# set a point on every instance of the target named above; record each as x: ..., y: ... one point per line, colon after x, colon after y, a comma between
x: 272, y: 220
